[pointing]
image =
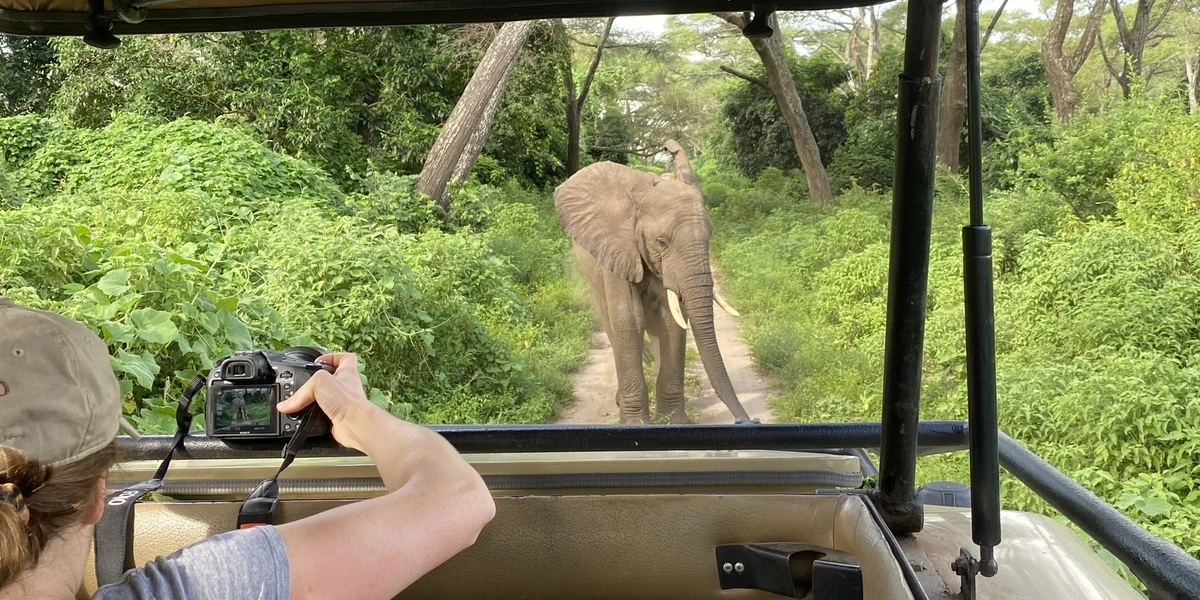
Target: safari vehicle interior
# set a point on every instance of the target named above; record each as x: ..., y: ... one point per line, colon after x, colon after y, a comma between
x: 684, y: 511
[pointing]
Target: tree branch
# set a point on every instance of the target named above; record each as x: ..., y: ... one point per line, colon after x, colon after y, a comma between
x: 734, y: 19
x: 752, y: 79
x: 988, y: 34
x: 591, y: 74
x: 1107, y: 62
x: 1090, y: 30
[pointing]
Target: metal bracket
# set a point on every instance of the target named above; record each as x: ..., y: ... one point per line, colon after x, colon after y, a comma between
x: 787, y: 569
x: 967, y: 568
x: 759, y: 27
x: 99, y: 28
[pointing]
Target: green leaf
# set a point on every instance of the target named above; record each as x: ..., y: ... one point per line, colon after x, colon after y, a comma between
x: 115, y: 331
x: 154, y: 326
x: 1154, y: 507
x: 114, y: 283
x: 229, y: 303
x: 141, y: 368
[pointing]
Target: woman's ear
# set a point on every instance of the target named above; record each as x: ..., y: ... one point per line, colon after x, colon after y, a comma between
x: 97, y: 507
x: 598, y: 206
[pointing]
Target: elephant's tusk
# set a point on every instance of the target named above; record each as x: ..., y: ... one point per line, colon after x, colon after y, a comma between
x: 673, y: 300
x: 725, y: 305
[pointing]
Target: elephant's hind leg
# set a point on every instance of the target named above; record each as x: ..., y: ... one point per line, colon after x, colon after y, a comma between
x: 615, y: 300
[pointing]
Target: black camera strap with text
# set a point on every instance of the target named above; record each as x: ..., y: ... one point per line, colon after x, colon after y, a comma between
x: 113, y: 536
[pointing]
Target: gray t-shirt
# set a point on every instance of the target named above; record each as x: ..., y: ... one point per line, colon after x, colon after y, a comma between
x: 247, y: 564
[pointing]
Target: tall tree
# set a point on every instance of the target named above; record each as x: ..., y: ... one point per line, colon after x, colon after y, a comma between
x: 574, y: 103
x: 783, y: 88
x: 952, y: 113
x: 1133, y: 40
x: 1191, y: 66
x: 26, y: 82
x: 1061, y: 67
x: 475, y: 110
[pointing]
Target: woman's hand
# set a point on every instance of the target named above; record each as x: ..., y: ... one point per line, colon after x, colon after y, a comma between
x: 340, y: 394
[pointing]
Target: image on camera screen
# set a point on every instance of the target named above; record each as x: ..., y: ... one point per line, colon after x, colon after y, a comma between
x: 245, y: 408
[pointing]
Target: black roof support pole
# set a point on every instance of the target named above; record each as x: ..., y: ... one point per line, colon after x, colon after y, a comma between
x: 981, y: 328
x: 912, y: 215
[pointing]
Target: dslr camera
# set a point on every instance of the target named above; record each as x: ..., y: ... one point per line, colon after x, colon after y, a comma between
x: 245, y: 387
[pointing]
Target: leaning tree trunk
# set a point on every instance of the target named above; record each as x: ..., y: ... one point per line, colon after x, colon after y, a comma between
x: 469, y: 112
x: 783, y: 88
x: 953, y: 110
x: 466, y: 161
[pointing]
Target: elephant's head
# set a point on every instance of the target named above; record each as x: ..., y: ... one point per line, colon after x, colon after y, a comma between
x: 634, y: 222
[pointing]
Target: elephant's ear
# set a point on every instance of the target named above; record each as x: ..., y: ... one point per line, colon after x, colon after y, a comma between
x: 597, y: 207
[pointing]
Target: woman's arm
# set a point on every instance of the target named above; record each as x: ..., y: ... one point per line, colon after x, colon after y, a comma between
x: 435, y: 507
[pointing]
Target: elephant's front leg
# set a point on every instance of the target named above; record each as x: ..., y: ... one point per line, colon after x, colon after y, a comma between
x: 627, y: 330
x: 671, y: 350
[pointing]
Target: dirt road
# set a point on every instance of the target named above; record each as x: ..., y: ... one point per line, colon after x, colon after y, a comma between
x: 596, y: 383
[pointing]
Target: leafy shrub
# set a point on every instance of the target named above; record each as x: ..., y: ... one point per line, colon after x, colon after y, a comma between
x: 1097, y: 323
x: 215, y: 243
x: 759, y: 135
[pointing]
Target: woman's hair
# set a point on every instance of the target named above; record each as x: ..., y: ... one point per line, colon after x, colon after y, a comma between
x: 37, y: 503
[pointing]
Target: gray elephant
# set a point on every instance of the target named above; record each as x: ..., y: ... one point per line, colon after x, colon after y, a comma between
x: 642, y: 243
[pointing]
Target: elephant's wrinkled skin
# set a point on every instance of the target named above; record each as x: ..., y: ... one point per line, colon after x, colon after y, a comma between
x: 638, y: 238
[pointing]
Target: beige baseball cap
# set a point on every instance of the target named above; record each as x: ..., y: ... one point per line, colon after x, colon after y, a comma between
x: 59, y: 399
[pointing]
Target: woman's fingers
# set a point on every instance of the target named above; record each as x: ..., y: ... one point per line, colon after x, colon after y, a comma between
x: 308, y: 393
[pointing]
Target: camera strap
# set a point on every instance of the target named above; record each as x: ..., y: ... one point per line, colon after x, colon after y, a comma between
x: 259, y: 507
x: 113, y: 536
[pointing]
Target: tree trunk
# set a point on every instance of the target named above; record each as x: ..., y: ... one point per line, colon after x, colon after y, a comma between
x: 1061, y: 67
x: 783, y: 88
x: 1134, y: 40
x: 469, y: 112
x: 1190, y: 66
x: 952, y: 113
x: 466, y: 161
x: 574, y: 104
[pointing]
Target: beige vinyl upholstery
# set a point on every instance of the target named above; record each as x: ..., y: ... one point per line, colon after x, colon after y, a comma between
x: 617, y: 547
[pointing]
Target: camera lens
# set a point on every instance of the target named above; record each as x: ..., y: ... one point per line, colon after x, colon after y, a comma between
x: 304, y: 353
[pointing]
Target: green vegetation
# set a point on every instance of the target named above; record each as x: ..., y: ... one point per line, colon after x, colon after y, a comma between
x: 181, y: 241
x: 1097, y: 319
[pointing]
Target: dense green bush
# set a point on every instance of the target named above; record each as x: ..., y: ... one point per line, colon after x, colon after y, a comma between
x: 1097, y: 320
x: 181, y: 241
x: 759, y: 137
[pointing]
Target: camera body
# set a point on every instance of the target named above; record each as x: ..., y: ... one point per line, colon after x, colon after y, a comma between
x: 245, y: 387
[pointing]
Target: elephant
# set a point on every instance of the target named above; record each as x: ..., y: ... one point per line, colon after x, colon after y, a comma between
x: 642, y: 244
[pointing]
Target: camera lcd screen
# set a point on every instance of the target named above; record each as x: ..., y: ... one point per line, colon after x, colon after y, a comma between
x: 245, y: 409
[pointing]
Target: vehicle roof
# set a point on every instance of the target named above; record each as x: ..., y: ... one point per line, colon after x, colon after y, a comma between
x: 70, y: 17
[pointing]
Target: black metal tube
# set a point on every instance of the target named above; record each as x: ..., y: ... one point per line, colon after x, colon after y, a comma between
x: 943, y: 435
x: 974, y: 116
x: 981, y: 391
x: 981, y: 326
x: 1166, y: 569
x: 912, y: 215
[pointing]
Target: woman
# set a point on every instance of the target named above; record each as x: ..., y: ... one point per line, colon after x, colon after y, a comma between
x: 59, y: 413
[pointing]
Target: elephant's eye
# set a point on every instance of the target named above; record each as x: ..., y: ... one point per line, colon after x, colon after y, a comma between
x: 662, y: 243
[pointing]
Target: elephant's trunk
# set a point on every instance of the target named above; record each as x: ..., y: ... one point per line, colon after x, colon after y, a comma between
x: 698, y: 302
